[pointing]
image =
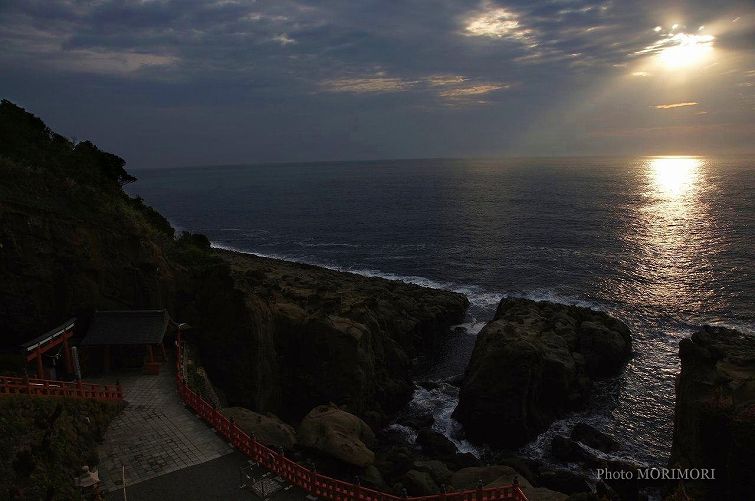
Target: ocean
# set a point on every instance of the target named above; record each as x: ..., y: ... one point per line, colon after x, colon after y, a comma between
x: 663, y: 243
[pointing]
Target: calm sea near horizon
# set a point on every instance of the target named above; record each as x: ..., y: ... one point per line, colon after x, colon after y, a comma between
x: 664, y: 243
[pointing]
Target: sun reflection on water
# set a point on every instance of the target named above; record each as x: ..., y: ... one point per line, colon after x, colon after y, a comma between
x: 674, y: 176
x: 672, y: 226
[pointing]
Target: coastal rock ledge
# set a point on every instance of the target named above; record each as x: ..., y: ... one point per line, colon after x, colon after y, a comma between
x: 532, y: 364
x: 714, y: 421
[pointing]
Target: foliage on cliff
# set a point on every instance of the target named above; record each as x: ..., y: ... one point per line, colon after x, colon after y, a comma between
x: 26, y: 140
x: 45, y: 442
x: 71, y: 240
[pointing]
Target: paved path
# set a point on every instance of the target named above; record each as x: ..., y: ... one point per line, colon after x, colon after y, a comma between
x: 155, y: 434
x: 216, y: 480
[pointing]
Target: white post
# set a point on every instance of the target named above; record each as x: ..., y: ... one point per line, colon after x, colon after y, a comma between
x: 123, y: 480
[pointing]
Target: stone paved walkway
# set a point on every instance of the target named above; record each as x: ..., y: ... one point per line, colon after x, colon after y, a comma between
x: 155, y: 434
x: 216, y: 480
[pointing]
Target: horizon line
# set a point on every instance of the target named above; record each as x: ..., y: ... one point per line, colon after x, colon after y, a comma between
x: 406, y: 159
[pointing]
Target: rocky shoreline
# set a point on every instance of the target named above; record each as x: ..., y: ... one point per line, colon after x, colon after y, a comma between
x: 318, y: 362
x: 349, y: 441
x: 322, y: 336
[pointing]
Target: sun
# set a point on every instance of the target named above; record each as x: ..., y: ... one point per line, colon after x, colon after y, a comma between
x: 683, y: 50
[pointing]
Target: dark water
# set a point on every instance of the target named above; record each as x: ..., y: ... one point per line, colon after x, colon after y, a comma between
x: 663, y: 243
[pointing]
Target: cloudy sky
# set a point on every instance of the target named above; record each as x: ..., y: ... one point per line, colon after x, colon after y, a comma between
x: 197, y: 82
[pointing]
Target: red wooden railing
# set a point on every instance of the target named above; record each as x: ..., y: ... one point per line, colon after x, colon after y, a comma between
x: 308, y: 479
x: 49, y: 388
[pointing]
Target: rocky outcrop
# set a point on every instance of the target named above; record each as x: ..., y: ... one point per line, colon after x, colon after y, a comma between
x: 325, y: 336
x: 533, y: 363
x: 337, y: 434
x: 267, y: 429
x: 714, y: 421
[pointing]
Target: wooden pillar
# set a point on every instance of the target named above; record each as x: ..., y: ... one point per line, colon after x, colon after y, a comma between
x: 150, y: 354
x: 40, y: 367
x: 67, y: 356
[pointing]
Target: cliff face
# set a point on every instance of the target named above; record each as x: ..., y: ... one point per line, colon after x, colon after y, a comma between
x: 533, y: 363
x: 714, y: 421
x: 275, y: 336
x: 326, y: 336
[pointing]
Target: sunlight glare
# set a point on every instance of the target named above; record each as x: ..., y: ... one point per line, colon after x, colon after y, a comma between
x: 684, y: 50
x: 674, y: 175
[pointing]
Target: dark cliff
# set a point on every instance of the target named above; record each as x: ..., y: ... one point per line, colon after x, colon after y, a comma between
x: 275, y: 336
x: 328, y: 336
x: 533, y: 363
x: 714, y: 421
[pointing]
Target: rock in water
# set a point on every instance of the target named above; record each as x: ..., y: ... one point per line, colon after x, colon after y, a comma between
x: 589, y: 435
x: 533, y: 363
x: 338, y: 434
x: 714, y: 422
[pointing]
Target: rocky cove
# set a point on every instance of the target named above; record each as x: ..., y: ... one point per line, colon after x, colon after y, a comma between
x: 322, y: 363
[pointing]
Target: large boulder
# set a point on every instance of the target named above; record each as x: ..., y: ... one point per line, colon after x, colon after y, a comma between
x: 532, y: 364
x: 563, y: 480
x: 714, y: 422
x: 336, y: 433
x: 436, y: 469
x: 470, y: 478
x: 267, y: 429
x: 420, y: 483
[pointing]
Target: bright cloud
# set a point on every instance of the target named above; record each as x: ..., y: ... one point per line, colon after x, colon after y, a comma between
x: 676, y: 50
x: 474, y: 90
x: 675, y: 105
x: 444, y: 80
x: 366, y: 85
x: 497, y: 23
x: 283, y: 39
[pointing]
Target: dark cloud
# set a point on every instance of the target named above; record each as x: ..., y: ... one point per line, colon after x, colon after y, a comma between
x: 199, y: 81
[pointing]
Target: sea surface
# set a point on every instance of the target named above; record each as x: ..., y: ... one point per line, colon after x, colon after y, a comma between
x: 664, y: 243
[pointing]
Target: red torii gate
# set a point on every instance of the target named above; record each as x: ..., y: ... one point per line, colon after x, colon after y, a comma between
x: 38, y: 346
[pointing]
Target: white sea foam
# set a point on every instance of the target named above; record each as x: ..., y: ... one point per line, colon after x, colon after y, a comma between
x: 408, y: 434
x: 441, y: 402
x: 478, y: 296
